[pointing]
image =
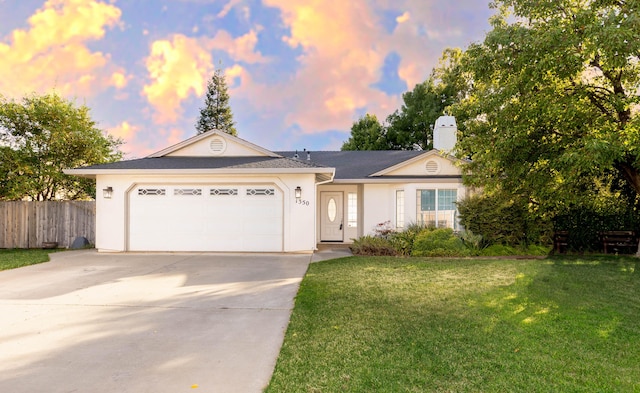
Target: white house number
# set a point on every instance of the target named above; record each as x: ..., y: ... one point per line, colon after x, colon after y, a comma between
x: 302, y: 202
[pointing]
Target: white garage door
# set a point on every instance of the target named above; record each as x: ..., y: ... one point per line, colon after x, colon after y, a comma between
x: 205, y: 218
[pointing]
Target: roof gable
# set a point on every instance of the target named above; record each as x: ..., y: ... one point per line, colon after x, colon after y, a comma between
x: 214, y: 143
x: 431, y: 163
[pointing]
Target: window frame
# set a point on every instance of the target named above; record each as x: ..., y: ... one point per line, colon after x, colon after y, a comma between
x: 443, y: 202
x: 352, y: 209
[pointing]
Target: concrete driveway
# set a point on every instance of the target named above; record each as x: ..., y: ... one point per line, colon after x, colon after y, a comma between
x: 89, y: 322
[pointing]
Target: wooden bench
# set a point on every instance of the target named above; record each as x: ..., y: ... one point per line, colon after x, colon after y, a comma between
x: 617, y: 240
x: 560, y: 241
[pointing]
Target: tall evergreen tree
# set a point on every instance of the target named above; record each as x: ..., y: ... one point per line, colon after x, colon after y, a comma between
x: 216, y: 113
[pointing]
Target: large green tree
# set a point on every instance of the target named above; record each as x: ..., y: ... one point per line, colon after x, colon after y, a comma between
x: 40, y: 136
x: 216, y: 113
x: 554, y: 106
x: 367, y: 134
x: 411, y: 126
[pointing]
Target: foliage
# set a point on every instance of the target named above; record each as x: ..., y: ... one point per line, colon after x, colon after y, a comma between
x: 504, y: 219
x: 216, y: 114
x: 383, y: 230
x: 42, y: 135
x: 403, y: 241
x: 366, y: 134
x: 554, y: 105
x: 372, y: 245
x: 474, y: 242
x: 384, y: 324
x: 585, y: 221
x: 418, y: 240
x: 411, y: 126
x: 438, y: 243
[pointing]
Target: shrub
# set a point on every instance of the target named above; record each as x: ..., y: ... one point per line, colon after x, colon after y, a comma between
x: 472, y: 241
x: 586, y: 220
x: 496, y: 250
x: 504, y: 219
x: 371, y: 245
x: 383, y: 230
x: 403, y: 241
x: 438, y: 242
x: 502, y: 250
x: 536, y: 249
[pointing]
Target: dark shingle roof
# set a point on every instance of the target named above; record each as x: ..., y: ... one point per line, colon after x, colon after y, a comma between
x: 206, y: 163
x: 348, y: 164
x: 358, y: 164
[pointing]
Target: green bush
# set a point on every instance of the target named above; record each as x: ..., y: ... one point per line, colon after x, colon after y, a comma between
x: 585, y: 221
x: 438, y: 242
x: 537, y: 249
x: 502, y: 250
x: 504, y: 219
x: 496, y: 250
x: 371, y: 246
x: 473, y: 242
x: 403, y: 241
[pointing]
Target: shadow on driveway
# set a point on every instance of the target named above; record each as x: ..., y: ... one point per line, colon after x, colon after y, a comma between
x: 89, y: 322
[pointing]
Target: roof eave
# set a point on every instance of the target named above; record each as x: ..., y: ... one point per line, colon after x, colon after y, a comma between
x: 197, y: 171
x: 384, y: 180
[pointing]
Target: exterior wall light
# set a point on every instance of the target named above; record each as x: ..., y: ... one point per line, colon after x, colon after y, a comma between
x: 107, y: 192
x: 298, y: 193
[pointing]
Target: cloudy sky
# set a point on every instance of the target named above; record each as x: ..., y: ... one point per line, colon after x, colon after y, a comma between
x: 300, y: 72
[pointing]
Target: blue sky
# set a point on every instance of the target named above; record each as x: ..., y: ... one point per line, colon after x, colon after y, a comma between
x: 300, y: 72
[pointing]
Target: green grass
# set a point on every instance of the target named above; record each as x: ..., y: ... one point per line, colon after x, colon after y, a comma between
x: 13, y: 258
x: 384, y: 324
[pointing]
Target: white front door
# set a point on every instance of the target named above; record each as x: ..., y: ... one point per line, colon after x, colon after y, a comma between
x: 331, y: 217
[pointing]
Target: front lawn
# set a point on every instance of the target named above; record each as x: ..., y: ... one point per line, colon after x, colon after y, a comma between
x: 13, y: 258
x: 384, y: 324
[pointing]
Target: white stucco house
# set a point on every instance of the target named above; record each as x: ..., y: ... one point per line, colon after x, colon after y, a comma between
x: 217, y: 192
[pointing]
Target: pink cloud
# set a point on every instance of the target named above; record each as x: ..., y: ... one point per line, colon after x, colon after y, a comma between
x: 52, y: 52
x: 178, y: 68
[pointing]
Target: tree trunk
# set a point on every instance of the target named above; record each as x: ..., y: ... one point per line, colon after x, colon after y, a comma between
x: 632, y: 176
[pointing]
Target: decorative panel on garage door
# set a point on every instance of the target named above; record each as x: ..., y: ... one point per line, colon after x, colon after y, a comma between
x: 205, y: 218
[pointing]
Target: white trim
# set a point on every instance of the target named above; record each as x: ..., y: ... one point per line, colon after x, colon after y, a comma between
x: 405, y: 180
x: 198, y: 171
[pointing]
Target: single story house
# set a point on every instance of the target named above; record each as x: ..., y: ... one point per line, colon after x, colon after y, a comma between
x: 217, y: 192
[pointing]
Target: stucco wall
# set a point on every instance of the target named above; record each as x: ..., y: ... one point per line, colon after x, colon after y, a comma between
x: 380, y: 201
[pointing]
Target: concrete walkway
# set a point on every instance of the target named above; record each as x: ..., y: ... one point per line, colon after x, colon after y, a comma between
x: 89, y: 322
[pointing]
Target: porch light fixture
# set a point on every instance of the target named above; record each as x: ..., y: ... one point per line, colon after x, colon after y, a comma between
x: 107, y: 192
x: 298, y: 193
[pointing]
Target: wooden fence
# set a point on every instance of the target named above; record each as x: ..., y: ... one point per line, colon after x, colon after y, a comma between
x: 29, y: 224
